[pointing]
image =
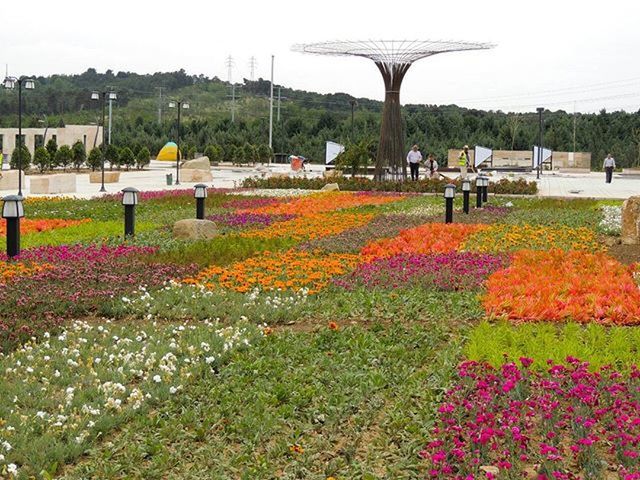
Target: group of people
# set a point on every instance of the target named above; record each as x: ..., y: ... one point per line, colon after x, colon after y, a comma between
x: 414, y: 159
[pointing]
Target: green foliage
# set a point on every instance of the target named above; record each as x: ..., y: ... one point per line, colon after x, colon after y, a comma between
x: 95, y: 158
x: 214, y: 153
x: 41, y: 159
x: 112, y: 155
x: 79, y: 154
x: 52, y: 148
x: 25, y: 160
x: 127, y: 158
x: 265, y: 154
x: 63, y: 157
x: 354, y: 157
x: 599, y: 345
x: 143, y: 158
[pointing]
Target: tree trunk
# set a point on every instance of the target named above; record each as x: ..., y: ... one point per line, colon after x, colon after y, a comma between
x: 390, y: 155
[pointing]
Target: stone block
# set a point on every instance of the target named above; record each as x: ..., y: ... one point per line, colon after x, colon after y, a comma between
x: 57, y: 183
x: 195, y: 176
x: 109, y: 177
x: 9, y: 180
x: 330, y: 187
x: 630, y: 221
x: 200, y: 163
x: 194, y: 229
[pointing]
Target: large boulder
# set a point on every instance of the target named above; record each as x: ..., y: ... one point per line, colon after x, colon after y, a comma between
x: 57, y: 183
x: 196, y: 176
x: 194, y: 229
x: 630, y: 221
x: 109, y: 177
x: 9, y: 179
x: 330, y: 187
x: 200, y: 163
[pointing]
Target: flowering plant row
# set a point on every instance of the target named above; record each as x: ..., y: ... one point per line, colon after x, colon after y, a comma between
x: 566, y: 423
x: 29, y: 225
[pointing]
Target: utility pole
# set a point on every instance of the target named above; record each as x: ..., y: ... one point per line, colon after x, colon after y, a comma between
x: 159, y: 105
x: 574, y: 127
x: 271, y: 109
x: 540, y: 110
x: 252, y: 68
x: 230, y: 65
x: 278, y: 117
x: 110, y: 107
x: 233, y: 103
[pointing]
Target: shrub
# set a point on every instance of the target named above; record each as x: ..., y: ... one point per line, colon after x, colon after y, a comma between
x: 214, y: 152
x: 265, y: 153
x: 42, y: 159
x: 95, y: 158
x: 52, y: 148
x: 143, y: 158
x: 79, y: 154
x: 25, y: 161
x: 112, y: 155
x: 127, y: 158
x: 63, y: 157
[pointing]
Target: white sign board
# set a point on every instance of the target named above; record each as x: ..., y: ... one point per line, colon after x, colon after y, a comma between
x: 546, y: 155
x: 482, y: 154
x: 333, y: 150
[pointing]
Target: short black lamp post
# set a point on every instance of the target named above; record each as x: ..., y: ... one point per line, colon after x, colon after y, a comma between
x: 478, y: 191
x: 485, y: 189
x: 449, y: 194
x: 466, y: 191
x: 200, y: 193
x: 13, y: 211
x: 130, y: 200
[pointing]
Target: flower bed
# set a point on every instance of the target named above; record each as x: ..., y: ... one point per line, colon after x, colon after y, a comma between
x: 556, y: 286
x: 509, y: 423
x: 71, y: 389
x: 292, y: 270
x: 9, y: 270
x: 503, y: 238
x: 311, y: 226
x: 425, y: 239
x: 239, y: 221
x: 447, y: 271
x: 28, y: 225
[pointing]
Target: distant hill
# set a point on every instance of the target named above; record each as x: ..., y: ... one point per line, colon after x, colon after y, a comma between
x: 307, y: 119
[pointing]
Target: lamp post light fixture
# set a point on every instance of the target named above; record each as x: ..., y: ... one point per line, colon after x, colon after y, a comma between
x: 130, y: 200
x: 28, y: 84
x: 200, y: 194
x: 485, y: 189
x: 13, y: 211
x: 449, y: 194
x: 179, y: 104
x: 466, y: 191
x: 478, y: 191
x: 105, y: 96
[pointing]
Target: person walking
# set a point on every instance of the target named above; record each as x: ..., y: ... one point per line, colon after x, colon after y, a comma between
x: 609, y: 164
x: 414, y: 157
x: 432, y: 167
x: 464, y: 162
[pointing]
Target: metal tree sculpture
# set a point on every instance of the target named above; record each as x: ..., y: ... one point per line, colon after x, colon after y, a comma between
x: 393, y: 58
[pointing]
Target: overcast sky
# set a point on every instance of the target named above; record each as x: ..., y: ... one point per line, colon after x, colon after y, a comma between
x: 552, y: 53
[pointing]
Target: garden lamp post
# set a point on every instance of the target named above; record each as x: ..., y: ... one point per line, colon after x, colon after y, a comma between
x: 129, y: 200
x: 13, y: 211
x: 200, y: 194
x: 466, y: 191
x: 478, y: 192
x: 96, y: 96
x: 179, y: 104
x: 449, y: 194
x: 28, y: 84
x: 485, y: 189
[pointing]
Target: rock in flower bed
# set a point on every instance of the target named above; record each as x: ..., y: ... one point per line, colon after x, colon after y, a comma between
x: 448, y: 271
x: 79, y: 280
x: 513, y: 423
x: 64, y: 392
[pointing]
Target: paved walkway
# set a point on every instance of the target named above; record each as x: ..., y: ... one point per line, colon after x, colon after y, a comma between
x: 577, y: 185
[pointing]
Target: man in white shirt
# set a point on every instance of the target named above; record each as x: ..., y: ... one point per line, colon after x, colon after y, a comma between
x: 414, y: 157
x: 609, y: 165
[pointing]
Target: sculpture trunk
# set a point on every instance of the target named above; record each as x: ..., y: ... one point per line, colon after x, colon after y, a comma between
x: 390, y: 159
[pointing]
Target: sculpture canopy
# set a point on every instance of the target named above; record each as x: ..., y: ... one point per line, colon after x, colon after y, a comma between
x: 393, y: 58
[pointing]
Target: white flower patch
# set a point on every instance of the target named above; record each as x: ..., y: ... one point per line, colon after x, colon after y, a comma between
x: 611, y: 223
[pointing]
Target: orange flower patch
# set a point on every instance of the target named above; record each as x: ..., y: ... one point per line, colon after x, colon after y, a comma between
x: 292, y: 270
x: 557, y: 285
x: 312, y: 226
x: 324, y: 202
x: 31, y: 225
x: 425, y: 239
x: 9, y: 270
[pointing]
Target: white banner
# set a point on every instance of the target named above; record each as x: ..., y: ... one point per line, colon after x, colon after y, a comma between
x: 482, y: 154
x: 333, y: 150
x: 546, y: 155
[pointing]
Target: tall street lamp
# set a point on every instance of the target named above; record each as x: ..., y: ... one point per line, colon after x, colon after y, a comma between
x: 540, y: 110
x: 28, y: 84
x: 354, y: 103
x: 97, y: 96
x: 179, y: 104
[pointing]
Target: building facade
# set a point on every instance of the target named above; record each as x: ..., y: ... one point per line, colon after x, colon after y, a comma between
x: 523, y: 159
x: 89, y: 135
